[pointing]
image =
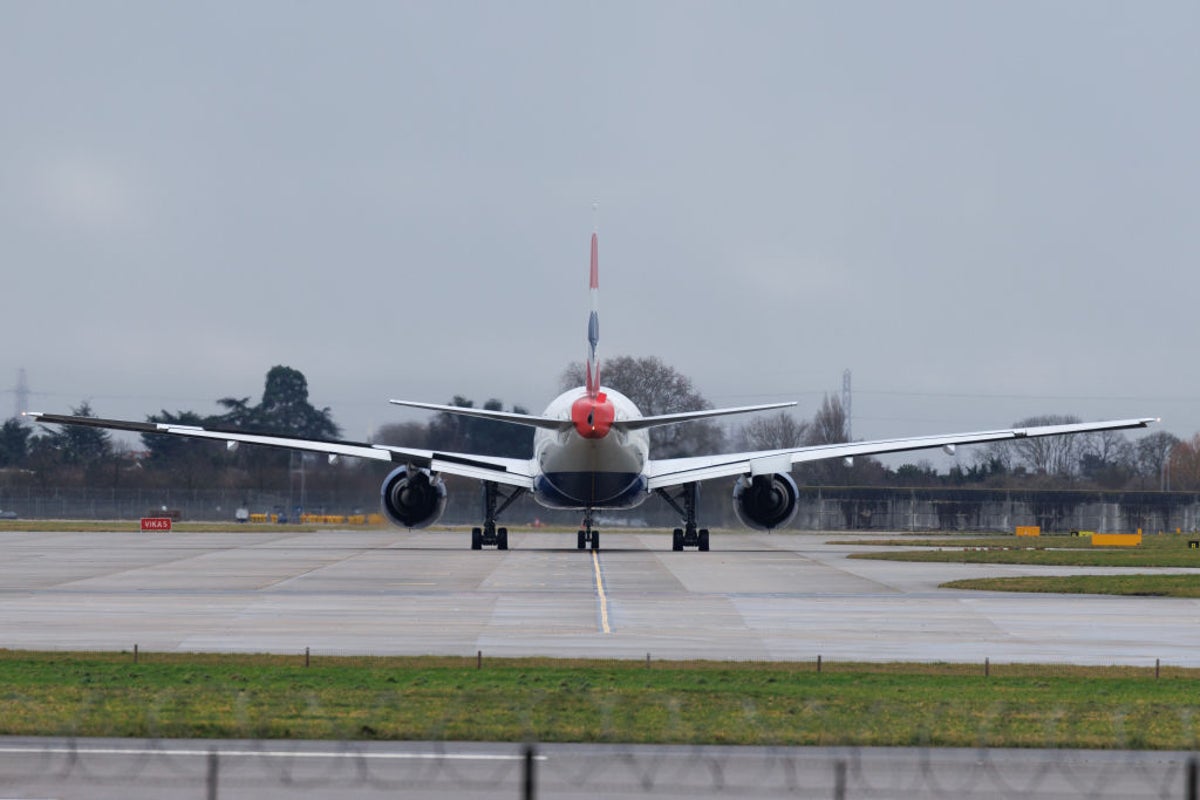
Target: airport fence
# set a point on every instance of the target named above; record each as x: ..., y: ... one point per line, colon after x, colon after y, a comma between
x: 819, y: 508
x: 186, y: 769
x: 193, y: 504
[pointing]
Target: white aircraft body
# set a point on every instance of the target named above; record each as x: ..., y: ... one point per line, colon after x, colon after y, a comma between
x: 591, y: 452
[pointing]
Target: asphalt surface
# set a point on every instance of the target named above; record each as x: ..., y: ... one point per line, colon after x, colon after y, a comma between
x: 753, y: 597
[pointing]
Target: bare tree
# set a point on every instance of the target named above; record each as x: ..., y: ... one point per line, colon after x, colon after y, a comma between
x: 774, y: 432
x: 1153, y: 454
x: 1048, y: 455
x: 994, y: 458
x: 1184, y: 465
x: 829, y: 425
x: 1108, y: 447
x: 1108, y: 459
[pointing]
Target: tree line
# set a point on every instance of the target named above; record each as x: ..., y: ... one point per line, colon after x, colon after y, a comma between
x: 84, y: 456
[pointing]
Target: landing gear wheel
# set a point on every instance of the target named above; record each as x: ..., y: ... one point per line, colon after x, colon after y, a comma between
x: 587, y: 536
x: 489, y: 534
x: 687, y: 536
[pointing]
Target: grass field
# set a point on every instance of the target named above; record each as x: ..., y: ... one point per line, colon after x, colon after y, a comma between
x: 1138, y: 585
x: 1166, y: 550
x: 217, y: 696
x: 1059, y: 558
x: 1163, y: 550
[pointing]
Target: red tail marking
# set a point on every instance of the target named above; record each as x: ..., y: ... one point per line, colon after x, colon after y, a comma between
x: 593, y: 417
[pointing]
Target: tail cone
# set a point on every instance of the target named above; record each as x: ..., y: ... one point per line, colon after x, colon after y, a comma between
x: 593, y: 417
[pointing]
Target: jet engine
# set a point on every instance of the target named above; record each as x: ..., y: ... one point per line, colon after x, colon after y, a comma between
x: 413, y: 498
x: 765, y: 501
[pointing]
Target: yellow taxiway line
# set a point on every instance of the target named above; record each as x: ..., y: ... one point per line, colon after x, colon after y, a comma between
x: 600, y: 590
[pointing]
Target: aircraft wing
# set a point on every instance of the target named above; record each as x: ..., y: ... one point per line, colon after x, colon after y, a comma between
x: 674, y: 471
x: 509, y: 471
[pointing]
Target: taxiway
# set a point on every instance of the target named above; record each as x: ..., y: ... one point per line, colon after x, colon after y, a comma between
x: 753, y: 597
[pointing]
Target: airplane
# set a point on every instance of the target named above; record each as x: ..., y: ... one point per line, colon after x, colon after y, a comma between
x: 591, y: 452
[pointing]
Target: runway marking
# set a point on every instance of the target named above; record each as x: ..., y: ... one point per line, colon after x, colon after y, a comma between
x: 603, y: 597
x: 183, y: 751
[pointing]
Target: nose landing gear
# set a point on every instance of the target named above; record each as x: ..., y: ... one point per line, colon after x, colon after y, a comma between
x: 587, y: 536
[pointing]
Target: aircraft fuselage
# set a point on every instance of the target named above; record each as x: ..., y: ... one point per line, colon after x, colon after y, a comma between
x: 575, y: 472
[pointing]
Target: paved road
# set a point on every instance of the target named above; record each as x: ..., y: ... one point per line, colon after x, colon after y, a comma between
x: 123, y: 769
x: 755, y: 596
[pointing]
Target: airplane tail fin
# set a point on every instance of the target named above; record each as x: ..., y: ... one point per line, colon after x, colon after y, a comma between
x: 593, y: 363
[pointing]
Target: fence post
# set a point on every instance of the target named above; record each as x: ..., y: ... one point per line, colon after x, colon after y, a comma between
x: 528, y: 777
x: 212, y: 774
x: 839, y: 780
x: 1189, y: 791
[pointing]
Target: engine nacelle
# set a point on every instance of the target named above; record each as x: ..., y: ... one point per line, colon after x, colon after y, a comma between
x: 765, y: 501
x: 413, y: 498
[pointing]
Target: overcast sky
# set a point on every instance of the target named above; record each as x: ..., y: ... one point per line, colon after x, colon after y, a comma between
x: 985, y: 211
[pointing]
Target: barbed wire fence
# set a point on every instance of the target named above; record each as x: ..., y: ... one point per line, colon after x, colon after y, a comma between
x: 179, y: 768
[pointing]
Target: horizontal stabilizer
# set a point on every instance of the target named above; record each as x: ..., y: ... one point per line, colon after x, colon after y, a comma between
x: 685, y: 416
x: 482, y: 413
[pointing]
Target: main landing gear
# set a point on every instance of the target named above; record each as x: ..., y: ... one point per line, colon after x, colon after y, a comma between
x: 687, y: 536
x: 587, y: 535
x: 489, y: 534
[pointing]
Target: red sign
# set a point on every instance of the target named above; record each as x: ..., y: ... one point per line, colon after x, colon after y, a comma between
x: 156, y: 523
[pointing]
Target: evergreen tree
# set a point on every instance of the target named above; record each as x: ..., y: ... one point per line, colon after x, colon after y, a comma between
x: 14, y: 443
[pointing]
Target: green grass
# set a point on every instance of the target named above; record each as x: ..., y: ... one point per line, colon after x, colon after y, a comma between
x: 978, y: 540
x: 1156, y: 550
x: 217, y: 696
x: 1165, y: 550
x: 1138, y: 585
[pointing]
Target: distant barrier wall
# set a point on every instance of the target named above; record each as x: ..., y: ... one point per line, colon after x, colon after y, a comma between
x: 949, y: 509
